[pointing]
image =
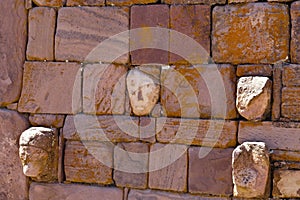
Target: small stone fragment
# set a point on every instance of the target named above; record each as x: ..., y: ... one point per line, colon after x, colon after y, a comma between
x: 254, y: 97
x: 143, y: 92
x: 39, y: 153
x: 250, y: 164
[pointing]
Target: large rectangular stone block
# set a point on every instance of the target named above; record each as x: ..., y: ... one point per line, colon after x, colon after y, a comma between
x: 290, y: 107
x: 50, y: 87
x: 286, y: 184
x: 295, y: 34
x: 254, y: 70
x: 250, y: 33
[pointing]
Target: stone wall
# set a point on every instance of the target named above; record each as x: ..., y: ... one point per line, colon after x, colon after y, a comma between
x: 146, y: 113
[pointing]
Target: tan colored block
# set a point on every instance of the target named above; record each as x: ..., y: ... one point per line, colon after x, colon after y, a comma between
x: 53, y: 3
x: 47, y: 120
x: 41, y: 34
x: 129, y: 2
x: 280, y: 155
x: 85, y: 2
x: 291, y: 75
x: 254, y: 70
x: 290, y: 107
x: 206, y: 2
x: 286, y: 184
x: 295, y: 32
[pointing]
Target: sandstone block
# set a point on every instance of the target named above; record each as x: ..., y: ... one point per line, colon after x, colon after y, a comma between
x: 147, y: 129
x: 239, y: 33
x: 274, y: 135
x: 250, y: 170
x: 44, y: 191
x: 143, y: 92
x: 210, y: 174
x: 168, y: 167
x: 88, y: 162
x: 291, y: 75
x: 193, y: 21
x: 85, y: 2
x: 143, y: 17
x: 295, y: 34
x: 254, y: 70
x: 286, y: 184
x: 75, y: 39
x: 53, y: 3
x: 290, y: 103
x: 50, y: 87
x: 280, y: 155
x: 47, y: 120
x: 277, y: 85
x: 202, y: 91
x: 131, y: 165
x: 104, y: 89
x: 253, y: 99
x: 195, y: 132
x: 128, y: 2
x: 41, y: 31
x: 13, y: 183
x: 206, y: 2
x: 13, y: 33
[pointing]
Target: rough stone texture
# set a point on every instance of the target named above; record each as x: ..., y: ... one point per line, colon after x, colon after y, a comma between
x: 290, y: 103
x: 250, y: 33
x: 101, y: 128
x: 13, y: 183
x: 84, y: 162
x: 128, y: 2
x: 287, y: 165
x: 13, y: 106
x: 195, y: 132
x: 185, y: 92
x: 250, y: 170
x: 41, y: 34
x: 280, y: 155
x: 143, y: 17
x: 48, y: 88
x: 147, y: 129
x: 131, y: 165
x: 193, y: 21
x: 286, y: 184
x: 51, y: 3
x: 241, y: 1
x: 276, y: 90
x: 13, y: 36
x: 75, y: 38
x: 210, y: 174
x: 153, y: 194
x: 166, y: 171
x: 295, y: 33
x: 56, y: 121
x: 143, y: 92
x: 85, y: 2
x: 291, y: 75
x: 104, y: 89
x: 208, y: 2
x: 151, y: 70
x: 43, y: 191
x: 254, y: 70
x: 38, y: 152
x: 275, y: 136
x: 253, y: 100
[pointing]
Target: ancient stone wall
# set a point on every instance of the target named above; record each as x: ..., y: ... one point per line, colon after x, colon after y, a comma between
x: 205, y: 104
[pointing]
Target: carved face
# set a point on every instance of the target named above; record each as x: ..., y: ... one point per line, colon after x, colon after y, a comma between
x: 34, y: 160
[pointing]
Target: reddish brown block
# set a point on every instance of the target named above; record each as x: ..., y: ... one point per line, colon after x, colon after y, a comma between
x: 85, y: 2
x: 212, y: 173
x: 41, y: 34
x: 254, y: 70
x: 290, y: 107
x: 291, y: 75
x: 295, y: 34
x: 50, y: 87
x: 52, y: 3
x: 193, y: 21
x: 128, y: 2
x: 207, y: 2
x: 250, y: 33
x: 276, y: 90
x: 147, y: 129
x: 143, y: 17
x: 56, y: 121
x: 88, y: 162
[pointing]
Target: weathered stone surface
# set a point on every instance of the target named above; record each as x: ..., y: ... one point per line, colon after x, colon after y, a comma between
x: 13, y: 36
x: 104, y: 89
x: 250, y: 33
x: 75, y: 38
x: 154, y: 194
x: 195, y: 132
x: 147, y: 129
x: 295, y: 32
x: 253, y: 99
x: 275, y: 136
x: 290, y: 107
x: 291, y: 75
x: 241, y: 1
x: 41, y: 34
x: 128, y: 2
x: 13, y: 183
x: 101, y: 128
x: 38, y: 152
x: 44, y: 191
x: 88, y: 162
x: 143, y: 92
x: 276, y: 90
x: 53, y: 3
x: 166, y: 171
x: 250, y: 170
x: 185, y: 91
x: 85, y: 2
x: 143, y: 17
x: 151, y: 70
x: 254, y: 70
x: 286, y: 184
x: 193, y: 21
x: 13, y: 106
x: 207, y: 2
x: 280, y: 155
x: 286, y: 165
x: 47, y: 120
x: 156, y: 111
x: 50, y: 87
x: 210, y: 174
x: 131, y: 165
